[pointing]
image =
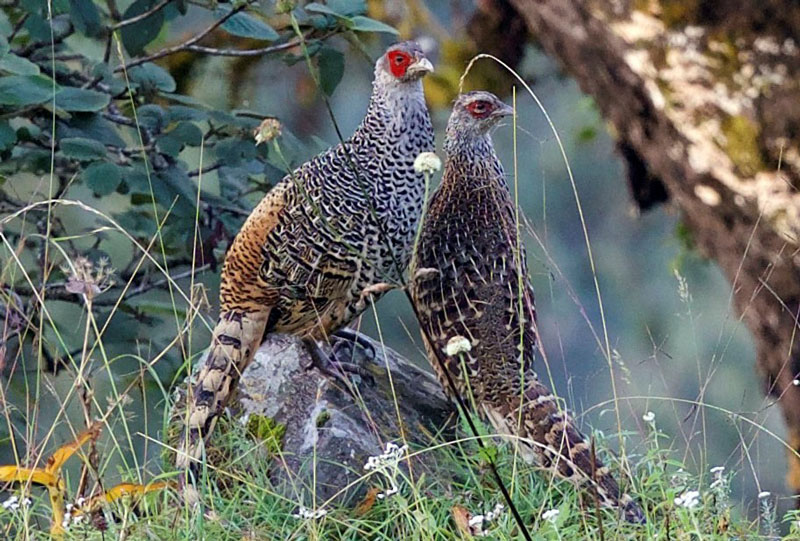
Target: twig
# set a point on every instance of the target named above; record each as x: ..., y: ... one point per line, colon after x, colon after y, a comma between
x: 113, y: 10
x: 208, y: 169
x: 184, y: 45
x: 141, y: 16
x: 17, y: 27
x: 56, y: 291
x: 254, y: 52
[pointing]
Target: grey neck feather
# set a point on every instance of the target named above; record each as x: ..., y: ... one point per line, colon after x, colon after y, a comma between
x: 468, y: 145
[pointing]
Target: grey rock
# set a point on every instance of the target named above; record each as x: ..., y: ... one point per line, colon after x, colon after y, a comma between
x: 334, y: 424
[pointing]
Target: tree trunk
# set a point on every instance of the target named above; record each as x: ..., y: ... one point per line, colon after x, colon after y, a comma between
x: 705, y: 100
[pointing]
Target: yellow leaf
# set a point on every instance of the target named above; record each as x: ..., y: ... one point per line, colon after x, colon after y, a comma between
x: 15, y: 474
x: 132, y: 489
x: 366, y: 504
x: 63, y: 453
x: 57, y: 505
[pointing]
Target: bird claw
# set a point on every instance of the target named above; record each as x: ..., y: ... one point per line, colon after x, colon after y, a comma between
x: 425, y: 273
x: 332, y: 365
x: 371, y: 291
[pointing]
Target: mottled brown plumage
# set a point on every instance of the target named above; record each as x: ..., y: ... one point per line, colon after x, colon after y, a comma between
x: 337, y: 226
x: 470, y: 280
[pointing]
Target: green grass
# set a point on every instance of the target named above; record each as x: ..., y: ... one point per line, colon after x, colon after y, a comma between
x: 240, y: 502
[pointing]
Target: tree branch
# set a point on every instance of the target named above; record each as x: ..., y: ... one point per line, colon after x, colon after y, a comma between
x: 141, y: 16
x: 181, y: 46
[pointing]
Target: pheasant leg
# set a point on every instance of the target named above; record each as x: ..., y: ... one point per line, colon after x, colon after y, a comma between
x: 337, y: 365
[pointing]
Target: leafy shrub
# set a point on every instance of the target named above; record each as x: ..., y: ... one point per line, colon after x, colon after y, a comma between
x: 89, y: 112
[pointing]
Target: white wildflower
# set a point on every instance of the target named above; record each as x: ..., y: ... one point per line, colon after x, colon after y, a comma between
x: 796, y: 382
x: 269, y: 129
x: 764, y: 494
x: 305, y: 513
x: 390, y: 456
x: 689, y: 499
x: 456, y: 345
x: 427, y: 163
x: 386, y: 465
x: 551, y: 515
x: 478, y: 522
x: 394, y: 489
x: 11, y: 504
x: 496, y: 512
x: 649, y: 417
x: 717, y: 470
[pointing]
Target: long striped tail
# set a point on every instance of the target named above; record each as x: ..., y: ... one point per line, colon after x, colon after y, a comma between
x: 549, y: 438
x: 235, y: 339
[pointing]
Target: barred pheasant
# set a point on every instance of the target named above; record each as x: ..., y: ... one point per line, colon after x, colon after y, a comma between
x: 475, y: 302
x: 338, y: 227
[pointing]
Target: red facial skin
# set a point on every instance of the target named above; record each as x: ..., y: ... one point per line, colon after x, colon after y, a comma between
x: 480, y: 108
x: 399, y: 62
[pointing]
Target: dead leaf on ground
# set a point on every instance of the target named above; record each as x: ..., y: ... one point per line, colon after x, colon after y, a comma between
x: 366, y: 504
x: 461, y: 517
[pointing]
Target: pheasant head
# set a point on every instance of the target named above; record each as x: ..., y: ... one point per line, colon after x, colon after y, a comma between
x: 401, y: 67
x: 476, y: 113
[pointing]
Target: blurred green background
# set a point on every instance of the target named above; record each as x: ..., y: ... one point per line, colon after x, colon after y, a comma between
x: 670, y: 324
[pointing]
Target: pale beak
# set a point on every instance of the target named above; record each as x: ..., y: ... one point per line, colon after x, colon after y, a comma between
x: 503, y: 110
x: 422, y: 66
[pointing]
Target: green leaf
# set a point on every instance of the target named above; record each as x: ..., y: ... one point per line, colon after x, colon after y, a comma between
x: 151, y: 116
x: 136, y: 36
x: 151, y: 76
x: 187, y: 133
x: 169, y: 145
x: 81, y: 99
x: 5, y: 25
x: 102, y: 177
x: 339, y: 8
x: 185, y: 100
x: 85, y: 17
x: 315, y: 7
x: 3, y: 46
x: 177, y: 182
x: 89, y: 126
x: 246, y: 26
x: 182, y: 112
x: 331, y: 69
x: 136, y: 179
x: 79, y: 148
x: 37, y: 27
x: 233, y: 151
x: 34, y: 6
x: 365, y: 24
x: 8, y: 135
x: 348, y: 7
x: 18, y: 65
x: 25, y: 89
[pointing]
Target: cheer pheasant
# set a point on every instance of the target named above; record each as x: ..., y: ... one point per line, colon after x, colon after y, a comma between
x: 336, y: 228
x: 473, y: 297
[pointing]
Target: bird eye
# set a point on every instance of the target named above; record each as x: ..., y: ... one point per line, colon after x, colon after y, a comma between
x: 398, y: 62
x: 479, y: 109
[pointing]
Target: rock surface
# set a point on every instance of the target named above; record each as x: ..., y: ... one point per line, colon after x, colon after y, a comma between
x: 333, y: 425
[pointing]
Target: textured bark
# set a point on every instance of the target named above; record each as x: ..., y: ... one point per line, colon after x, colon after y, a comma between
x: 328, y: 429
x: 705, y: 101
